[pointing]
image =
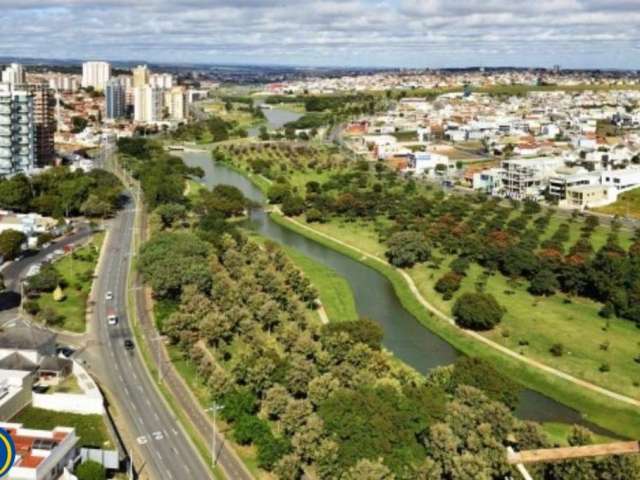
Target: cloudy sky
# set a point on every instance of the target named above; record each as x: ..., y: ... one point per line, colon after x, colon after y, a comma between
x: 404, y: 33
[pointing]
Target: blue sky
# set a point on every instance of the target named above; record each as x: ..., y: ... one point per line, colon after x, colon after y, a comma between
x: 394, y: 33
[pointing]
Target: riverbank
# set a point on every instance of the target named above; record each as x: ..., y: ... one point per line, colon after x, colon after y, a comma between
x: 612, y: 414
x: 618, y: 416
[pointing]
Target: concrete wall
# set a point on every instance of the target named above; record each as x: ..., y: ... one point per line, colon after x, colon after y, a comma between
x: 90, y: 402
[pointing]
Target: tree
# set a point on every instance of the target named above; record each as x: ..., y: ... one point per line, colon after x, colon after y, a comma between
x: 364, y: 330
x: 225, y: 199
x: 477, y: 373
x: 448, y: 284
x: 369, y: 470
x: 78, y: 124
x: 47, y: 280
x: 170, y: 213
x: 477, y: 311
x: 315, y: 215
x: 249, y: 429
x: 90, y: 470
x: 11, y: 242
x: 405, y: 249
x: 278, y: 193
x: 15, y: 193
x: 544, y: 282
x: 293, y: 205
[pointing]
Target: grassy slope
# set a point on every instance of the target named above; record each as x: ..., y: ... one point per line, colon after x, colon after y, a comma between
x: 628, y: 204
x: 73, y: 307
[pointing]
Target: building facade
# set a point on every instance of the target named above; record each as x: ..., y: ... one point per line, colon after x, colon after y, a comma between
x: 140, y: 76
x: 148, y: 104
x: 17, y: 149
x: 14, y: 75
x: 44, y: 123
x: 161, y: 80
x: 175, y: 103
x: 115, y: 99
x: 96, y: 75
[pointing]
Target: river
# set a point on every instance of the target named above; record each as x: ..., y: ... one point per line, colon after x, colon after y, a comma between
x: 376, y: 299
x: 276, y: 118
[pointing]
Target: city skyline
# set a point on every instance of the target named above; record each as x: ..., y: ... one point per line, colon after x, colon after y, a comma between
x: 358, y: 33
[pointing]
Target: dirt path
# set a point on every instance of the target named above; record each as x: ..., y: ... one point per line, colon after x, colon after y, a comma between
x: 475, y: 335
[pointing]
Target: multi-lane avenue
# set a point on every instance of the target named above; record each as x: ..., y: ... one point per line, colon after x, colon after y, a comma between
x: 166, y: 451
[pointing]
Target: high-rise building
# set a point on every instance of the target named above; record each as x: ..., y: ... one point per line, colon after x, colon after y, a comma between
x: 147, y: 106
x: 63, y: 83
x: 175, y: 102
x: 96, y: 75
x: 140, y: 76
x: 44, y: 123
x: 14, y: 74
x: 16, y: 130
x: 161, y: 80
x: 115, y: 94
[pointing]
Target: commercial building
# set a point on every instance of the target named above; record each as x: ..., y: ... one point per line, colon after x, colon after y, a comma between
x: 44, y: 123
x: 527, y: 178
x: 115, y: 99
x: 42, y: 454
x: 141, y: 76
x: 96, y: 75
x: 17, y: 150
x: 147, y: 106
x: 14, y: 75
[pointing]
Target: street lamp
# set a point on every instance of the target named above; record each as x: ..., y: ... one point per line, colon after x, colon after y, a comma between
x: 215, y: 408
x: 159, y: 338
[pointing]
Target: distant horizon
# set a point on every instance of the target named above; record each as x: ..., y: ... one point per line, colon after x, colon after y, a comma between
x: 577, y: 34
x: 51, y: 61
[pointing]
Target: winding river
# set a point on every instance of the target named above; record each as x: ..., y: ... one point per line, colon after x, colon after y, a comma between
x: 375, y: 298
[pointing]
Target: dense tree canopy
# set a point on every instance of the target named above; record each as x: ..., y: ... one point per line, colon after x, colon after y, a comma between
x: 477, y: 311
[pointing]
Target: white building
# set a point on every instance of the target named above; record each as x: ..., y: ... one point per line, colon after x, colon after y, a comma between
x: 566, y: 177
x: 96, y: 75
x: 147, y: 104
x: 42, y: 454
x: 427, y: 162
x: 174, y: 101
x: 14, y: 75
x: 622, y: 180
x: 527, y: 178
x: 17, y: 130
x: 161, y: 80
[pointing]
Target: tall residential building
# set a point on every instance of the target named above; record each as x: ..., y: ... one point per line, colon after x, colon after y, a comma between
x: 14, y: 74
x: 140, y: 76
x: 147, y: 106
x: 96, y: 75
x: 161, y: 80
x: 115, y: 94
x: 64, y: 83
x: 175, y: 102
x: 16, y: 130
x: 44, y: 123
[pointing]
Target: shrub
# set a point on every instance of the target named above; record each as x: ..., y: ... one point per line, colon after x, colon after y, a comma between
x: 315, y: 215
x: 249, y: 429
x: 407, y: 248
x: 557, y: 349
x: 478, y: 373
x: 90, y: 470
x: 293, y: 205
x: 31, y: 307
x: 477, y: 311
x: 448, y: 284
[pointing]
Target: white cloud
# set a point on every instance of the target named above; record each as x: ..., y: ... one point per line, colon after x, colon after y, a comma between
x: 366, y: 32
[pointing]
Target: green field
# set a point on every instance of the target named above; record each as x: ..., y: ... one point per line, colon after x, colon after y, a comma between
x: 90, y: 428
x: 77, y: 273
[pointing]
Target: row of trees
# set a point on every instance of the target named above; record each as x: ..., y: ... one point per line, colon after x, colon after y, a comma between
x: 59, y: 192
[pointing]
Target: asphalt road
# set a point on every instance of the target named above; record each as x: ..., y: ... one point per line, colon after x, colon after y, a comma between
x: 166, y: 450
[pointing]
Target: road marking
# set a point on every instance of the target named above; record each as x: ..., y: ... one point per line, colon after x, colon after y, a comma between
x: 157, y: 436
x: 126, y: 390
x: 175, y: 432
x: 143, y: 440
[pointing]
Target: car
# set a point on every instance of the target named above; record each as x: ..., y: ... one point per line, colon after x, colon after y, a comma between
x: 128, y: 344
x: 65, y: 351
x: 109, y: 296
x: 112, y: 317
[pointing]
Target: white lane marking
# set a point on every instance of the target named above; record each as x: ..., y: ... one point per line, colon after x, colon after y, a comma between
x: 126, y: 390
x: 157, y: 436
x: 143, y: 440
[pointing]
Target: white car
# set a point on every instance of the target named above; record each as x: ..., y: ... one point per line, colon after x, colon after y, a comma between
x: 109, y: 296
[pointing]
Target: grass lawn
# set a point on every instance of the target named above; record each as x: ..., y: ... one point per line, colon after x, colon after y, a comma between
x: 628, y: 204
x: 559, y: 432
x: 69, y: 385
x: 335, y: 292
x: 90, y: 428
x: 77, y: 273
